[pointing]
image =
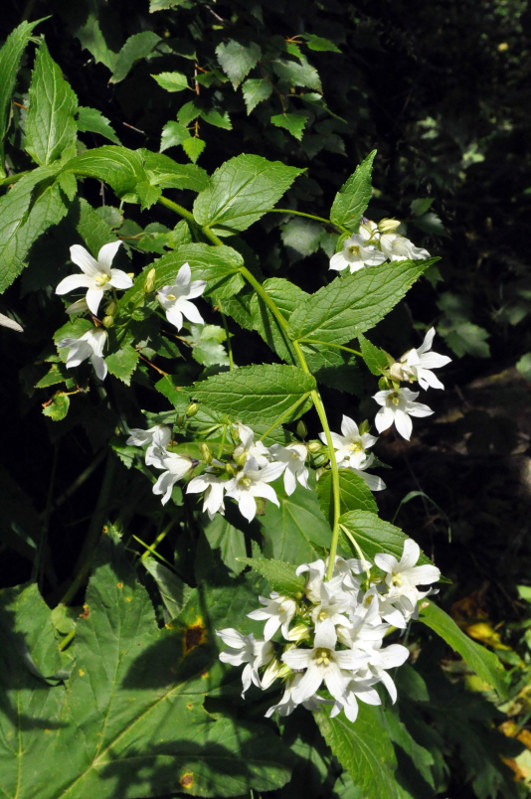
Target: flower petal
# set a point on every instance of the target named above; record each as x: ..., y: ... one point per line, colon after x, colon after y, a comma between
x: 72, y: 282
x: 82, y: 258
x: 106, y: 255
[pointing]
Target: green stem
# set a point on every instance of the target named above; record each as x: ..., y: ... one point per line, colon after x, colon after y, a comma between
x: 227, y: 335
x: 285, y: 415
x: 66, y: 640
x: 329, y: 344
x: 14, y: 178
x: 356, y: 546
x: 300, y: 213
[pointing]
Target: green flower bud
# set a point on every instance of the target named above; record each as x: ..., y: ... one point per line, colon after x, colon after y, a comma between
x: 192, y: 409
x: 149, y: 283
x: 388, y: 225
x: 107, y: 321
x: 301, y: 429
x: 206, y: 453
x: 314, y: 447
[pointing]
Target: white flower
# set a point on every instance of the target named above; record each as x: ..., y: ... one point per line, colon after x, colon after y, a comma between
x: 358, y: 251
x: 398, y: 405
x: 6, y: 321
x: 387, y: 658
x: 246, y: 649
x: 175, y: 466
x: 214, y: 488
x: 398, y: 248
x: 278, y: 612
x: 90, y: 345
x: 351, y: 451
x: 293, y: 458
x: 157, y: 438
x: 403, y: 576
x: 287, y: 704
x: 252, y: 482
x: 416, y: 364
x: 175, y: 299
x: 97, y: 275
x: 249, y: 448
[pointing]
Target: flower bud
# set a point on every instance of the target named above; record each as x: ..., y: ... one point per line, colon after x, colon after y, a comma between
x: 192, y: 409
x: 240, y: 458
x: 299, y: 632
x: 206, y: 453
x: 229, y: 468
x: 149, y: 283
x: 107, y: 321
x: 301, y: 429
x: 110, y: 308
x: 388, y: 225
x: 314, y: 446
x: 270, y: 674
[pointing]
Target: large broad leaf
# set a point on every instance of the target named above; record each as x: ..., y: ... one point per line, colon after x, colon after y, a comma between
x: 10, y: 56
x: 130, y: 720
x: 241, y: 191
x: 121, y: 168
x: 374, y: 535
x: 237, y: 59
x: 138, y: 46
x: 484, y: 663
x: 354, y: 493
x: 280, y: 576
x: 26, y: 211
x: 364, y: 749
x: 286, y: 296
x: 50, y: 125
x: 163, y: 171
x: 266, y: 393
x: 353, y: 198
x: 353, y: 304
x: 297, y: 531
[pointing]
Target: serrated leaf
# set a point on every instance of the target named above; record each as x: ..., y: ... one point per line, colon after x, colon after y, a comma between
x: 353, y: 304
x: 293, y: 123
x: 207, y: 345
x: 135, y: 700
x: 484, y: 663
x: 296, y: 532
x: 57, y: 408
x: 174, y: 593
x: 302, y: 235
x: 375, y: 358
x: 217, y: 119
x: 193, y: 146
x: 241, y: 191
x: 120, y: 167
x: 230, y: 541
x: 264, y: 392
x: 255, y: 91
x: 286, y: 296
x: 138, y: 46
x: 280, y: 575
x: 353, y: 198
x: 173, y: 133
x: 319, y: 43
x: 237, y: 59
x: 298, y: 74
x: 466, y: 338
x: 163, y: 171
x: 374, y: 535
x: 94, y: 230
x: 171, y: 81
x: 354, y: 493
x: 419, y: 755
x: 90, y: 120
x: 10, y: 56
x: 50, y: 124
x: 363, y: 749
x: 123, y: 363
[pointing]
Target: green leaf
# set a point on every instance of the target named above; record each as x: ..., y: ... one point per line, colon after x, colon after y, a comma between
x: 374, y: 535
x: 466, y: 338
x: 241, y: 191
x: 26, y: 211
x: 90, y: 120
x: 217, y: 119
x: 375, y: 358
x: 134, y: 699
x: 174, y: 593
x: 230, y: 541
x: 163, y: 171
x: 171, y: 81
x: 293, y: 123
x: 319, y: 43
x: 302, y: 235
x: 262, y: 392
x: 280, y: 576
x: 484, y: 663
x: 120, y: 167
x: 10, y: 56
x: 255, y: 91
x: 138, y: 46
x: 524, y: 366
x: 237, y: 59
x: 363, y: 749
x: 57, y: 408
x: 353, y: 198
x: 420, y: 757
x: 207, y: 345
x: 173, y: 133
x: 287, y: 296
x: 193, y: 146
x: 354, y: 493
x: 355, y: 303
x: 298, y: 74
x: 123, y: 363
x: 94, y: 230
x: 296, y: 532
x: 50, y: 125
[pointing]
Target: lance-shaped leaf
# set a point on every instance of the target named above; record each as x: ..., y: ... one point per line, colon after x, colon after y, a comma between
x: 163, y: 171
x: 130, y: 720
x: 120, y: 167
x: 241, y: 191
x: 10, y: 56
x: 50, y: 125
x: 375, y: 535
x: 364, y: 749
x: 264, y: 393
x: 353, y: 198
x: 484, y: 663
x: 353, y: 304
x: 280, y: 576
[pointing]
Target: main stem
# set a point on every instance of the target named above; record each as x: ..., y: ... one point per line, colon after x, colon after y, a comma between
x: 315, y: 395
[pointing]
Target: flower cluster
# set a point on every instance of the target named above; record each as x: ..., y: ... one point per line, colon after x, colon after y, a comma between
x: 373, y: 244
x: 334, y: 633
x: 245, y: 476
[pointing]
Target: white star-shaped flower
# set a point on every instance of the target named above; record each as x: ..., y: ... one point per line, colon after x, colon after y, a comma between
x: 398, y: 248
x: 214, y: 488
x: 249, y: 448
x: 293, y: 459
x: 97, y: 274
x: 403, y: 576
x: 157, y: 438
x: 358, y: 251
x: 175, y: 299
x: 398, y: 405
x: 88, y: 346
x: 278, y: 612
x: 417, y: 364
x: 175, y: 466
x: 246, y: 649
x: 351, y: 445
